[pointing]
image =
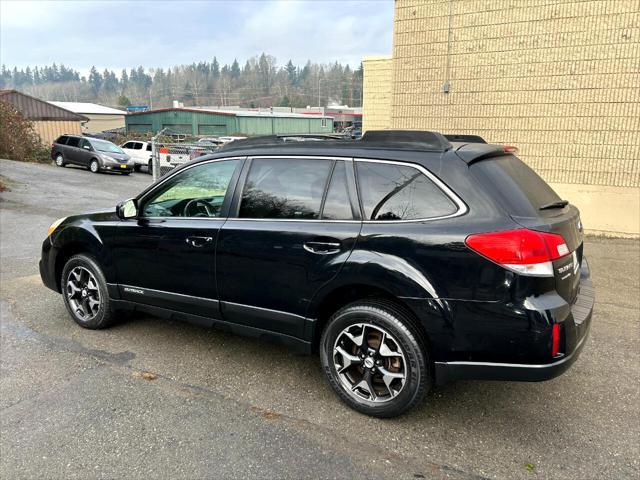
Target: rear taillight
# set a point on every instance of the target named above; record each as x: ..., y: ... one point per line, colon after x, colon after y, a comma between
x: 555, y: 340
x: 510, y: 149
x: 523, y: 251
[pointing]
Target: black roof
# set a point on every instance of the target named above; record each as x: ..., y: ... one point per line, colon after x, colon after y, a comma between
x: 414, y: 140
x: 389, y: 143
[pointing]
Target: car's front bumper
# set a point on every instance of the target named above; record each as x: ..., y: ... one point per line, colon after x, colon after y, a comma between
x: 47, y: 265
x: 114, y: 167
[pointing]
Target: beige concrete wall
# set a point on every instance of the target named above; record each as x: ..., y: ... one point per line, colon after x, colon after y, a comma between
x: 377, y: 83
x: 559, y: 79
x: 604, y: 210
x: 49, y: 130
x: 100, y: 123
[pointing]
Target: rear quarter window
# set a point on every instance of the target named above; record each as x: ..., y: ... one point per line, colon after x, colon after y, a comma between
x: 391, y: 191
x: 519, y: 189
x: 73, y: 141
x: 62, y: 140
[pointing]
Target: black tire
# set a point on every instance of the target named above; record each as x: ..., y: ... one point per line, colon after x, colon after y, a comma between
x: 60, y: 160
x: 94, y: 166
x: 150, y: 167
x: 400, y: 329
x: 136, y: 167
x: 125, y: 173
x: 105, y: 312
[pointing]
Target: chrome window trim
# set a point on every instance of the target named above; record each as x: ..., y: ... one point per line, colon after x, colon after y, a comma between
x: 149, y: 192
x: 462, y: 207
x: 293, y: 157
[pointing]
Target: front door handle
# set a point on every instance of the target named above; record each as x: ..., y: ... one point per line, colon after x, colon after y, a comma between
x: 198, y: 242
x: 322, y: 248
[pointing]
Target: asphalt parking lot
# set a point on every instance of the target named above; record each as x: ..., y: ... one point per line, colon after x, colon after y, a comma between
x: 77, y: 403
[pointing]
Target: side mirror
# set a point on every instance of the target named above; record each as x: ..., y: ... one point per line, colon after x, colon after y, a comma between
x: 127, y: 209
x: 87, y: 147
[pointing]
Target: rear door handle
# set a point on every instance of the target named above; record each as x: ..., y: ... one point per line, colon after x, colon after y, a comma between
x: 198, y: 242
x: 322, y: 248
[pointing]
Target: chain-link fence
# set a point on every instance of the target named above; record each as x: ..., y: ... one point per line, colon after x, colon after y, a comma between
x: 167, y: 156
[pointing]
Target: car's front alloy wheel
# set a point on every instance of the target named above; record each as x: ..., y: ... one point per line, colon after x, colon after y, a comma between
x: 84, y: 289
x: 94, y: 166
x: 83, y: 293
x: 375, y: 358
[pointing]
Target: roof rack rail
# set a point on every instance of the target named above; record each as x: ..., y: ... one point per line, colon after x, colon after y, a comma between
x: 313, y: 136
x: 383, y: 139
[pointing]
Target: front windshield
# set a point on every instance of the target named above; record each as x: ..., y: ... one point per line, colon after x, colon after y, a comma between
x: 104, y: 146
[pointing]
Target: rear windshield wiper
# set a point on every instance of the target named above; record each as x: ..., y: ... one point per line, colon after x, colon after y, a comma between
x: 558, y: 204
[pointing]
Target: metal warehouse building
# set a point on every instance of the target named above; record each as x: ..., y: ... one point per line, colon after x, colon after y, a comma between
x: 49, y: 121
x: 201, y: 121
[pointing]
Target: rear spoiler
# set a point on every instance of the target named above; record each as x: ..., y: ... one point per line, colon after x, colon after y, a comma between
x: 476, y: 148
x: 455, y: 137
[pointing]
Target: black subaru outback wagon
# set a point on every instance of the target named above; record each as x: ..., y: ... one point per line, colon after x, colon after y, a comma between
x: 405, y: 258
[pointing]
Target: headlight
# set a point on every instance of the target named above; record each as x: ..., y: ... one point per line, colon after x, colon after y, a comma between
x: 107, y: 158
x: 55, y: 225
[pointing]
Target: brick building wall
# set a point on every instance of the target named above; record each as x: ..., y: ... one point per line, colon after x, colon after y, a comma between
x: 559, y: 79
x: 376, y: 112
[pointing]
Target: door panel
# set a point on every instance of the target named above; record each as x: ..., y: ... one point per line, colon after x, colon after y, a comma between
x: 166, y: 257
x: 155, y: 257
x: 271, y: 262
x: 84, y: 155
x: 267, y: 277
x: 71, y: 153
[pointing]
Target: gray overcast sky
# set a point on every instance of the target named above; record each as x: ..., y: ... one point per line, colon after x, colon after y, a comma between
x: 119, y: 34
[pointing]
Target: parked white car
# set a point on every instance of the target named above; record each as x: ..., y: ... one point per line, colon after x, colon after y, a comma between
x: 140, y: 153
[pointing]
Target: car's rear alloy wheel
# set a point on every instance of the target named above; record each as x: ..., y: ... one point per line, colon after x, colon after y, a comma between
x: 85, y: 292
x: 60, y: 160
x: 94, y: 166
x: 375, y: 358
x: 369, y: 362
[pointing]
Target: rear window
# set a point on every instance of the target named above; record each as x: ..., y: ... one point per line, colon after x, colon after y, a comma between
x: 397, y: 192
x: 519, y: 189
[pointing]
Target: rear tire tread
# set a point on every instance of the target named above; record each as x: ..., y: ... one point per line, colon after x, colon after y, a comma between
x: 400, y: 319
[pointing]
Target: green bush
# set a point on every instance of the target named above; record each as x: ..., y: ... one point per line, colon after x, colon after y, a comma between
x: 18, y: 139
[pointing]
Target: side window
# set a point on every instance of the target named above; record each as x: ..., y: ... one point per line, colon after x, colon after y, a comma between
x: 397, y: 192
x: 284, y: 188
x: 73, y: 142
x: 196, y: 192
x: 62, y: 140
x: 137, y: 145
x: 337, y: 205
x: 148, y: 147
x: 128, y: 145
x: 84, y: 143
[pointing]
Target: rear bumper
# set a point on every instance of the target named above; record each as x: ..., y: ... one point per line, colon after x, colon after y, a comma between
x: 448, y: 371
x: 577, y: 325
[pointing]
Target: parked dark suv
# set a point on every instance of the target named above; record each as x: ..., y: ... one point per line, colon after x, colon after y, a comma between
x: 407, y: 260
x: 93, y: 153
